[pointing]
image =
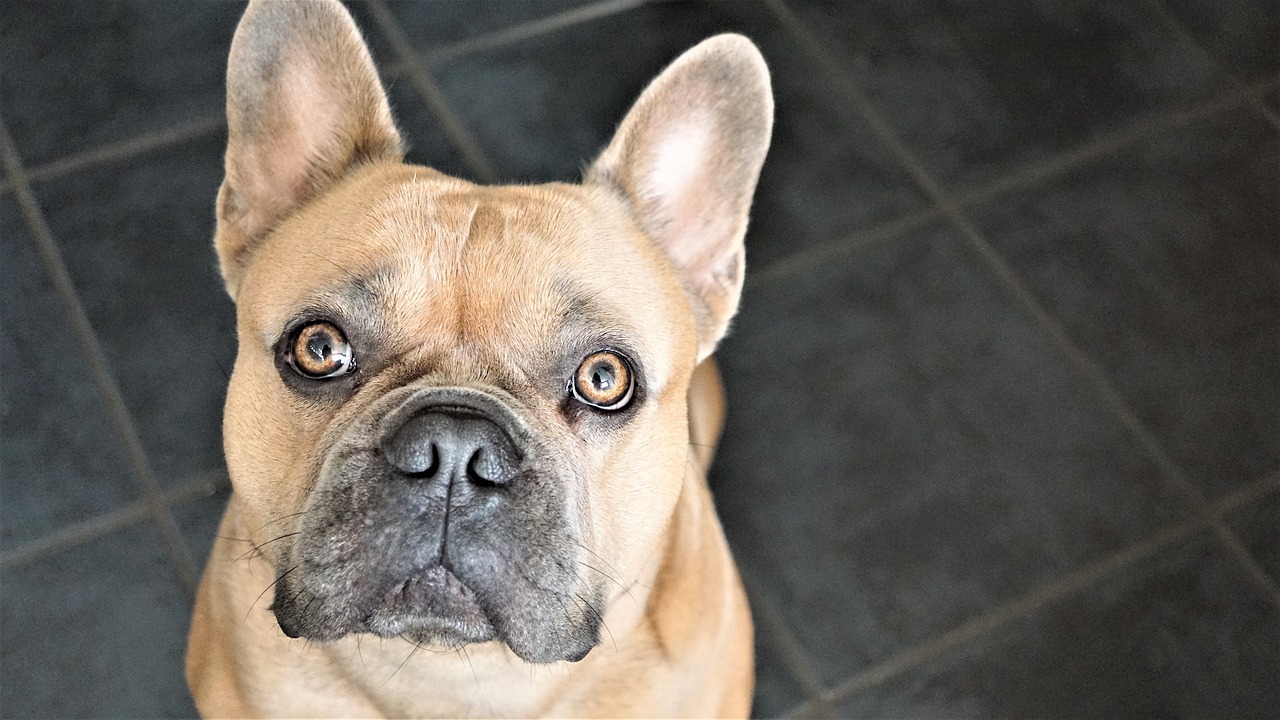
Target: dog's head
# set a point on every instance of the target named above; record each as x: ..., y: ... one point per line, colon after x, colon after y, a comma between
x: 458, y: 413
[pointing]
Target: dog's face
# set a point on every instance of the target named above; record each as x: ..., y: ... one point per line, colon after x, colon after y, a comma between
x: 513, y: 428
x: 458, y: 413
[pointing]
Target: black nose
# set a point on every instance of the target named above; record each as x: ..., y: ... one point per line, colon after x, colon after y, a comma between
x: 453, y: 446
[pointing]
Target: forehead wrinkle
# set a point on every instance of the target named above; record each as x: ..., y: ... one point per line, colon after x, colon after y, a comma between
x: 462, y: 309
x: 361, y: 294
x: 356, y: 299
x: 582, y: 310
x: 471, y: 230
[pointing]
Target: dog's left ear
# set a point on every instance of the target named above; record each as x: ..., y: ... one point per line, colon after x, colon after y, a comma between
x: 687, y: 157
x: 304, y: 106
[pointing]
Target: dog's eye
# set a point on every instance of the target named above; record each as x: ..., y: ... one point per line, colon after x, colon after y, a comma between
x: 319, y: 351
x: 603, y: 381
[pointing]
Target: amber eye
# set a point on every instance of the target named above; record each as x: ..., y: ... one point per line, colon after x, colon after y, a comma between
x: 603, y: 381
x: 320, y: 350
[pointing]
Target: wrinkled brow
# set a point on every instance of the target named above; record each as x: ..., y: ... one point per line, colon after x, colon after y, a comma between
x: 587, y: 321
x: 354, y: 298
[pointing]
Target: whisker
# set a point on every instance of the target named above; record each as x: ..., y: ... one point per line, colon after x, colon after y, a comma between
x: 610, y: 565
x: 462, y: 650
x: 282, y: 517
x: 598, y: 555
x: 612, y: 579
x: 599, y: 617
x: 258, y: 548
x: 264, y: 591
x: 402, y: 664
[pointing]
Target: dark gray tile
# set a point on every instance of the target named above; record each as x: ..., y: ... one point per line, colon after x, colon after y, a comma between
x: 1243, y: 34
x: 1163, y: 264
x: 905, y: 451
x: 1258, y: 525
x: 426, y: 143
x: 1183, y: 634
x: 60, y: 457
x: 543, y: 109
x: 777, y: 689
x: 82, y: 74
x: 96, y: 631
x: 138, y: 243
x: 1272, y: 98
x: 977, y: 89
x: 431, y: 26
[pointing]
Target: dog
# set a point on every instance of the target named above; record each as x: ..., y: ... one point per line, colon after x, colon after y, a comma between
x: 468, y: 426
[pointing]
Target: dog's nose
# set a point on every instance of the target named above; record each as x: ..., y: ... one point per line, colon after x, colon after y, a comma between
x: 453, y: 446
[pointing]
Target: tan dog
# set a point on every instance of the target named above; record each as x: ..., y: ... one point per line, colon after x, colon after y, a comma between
x: 467, y: 428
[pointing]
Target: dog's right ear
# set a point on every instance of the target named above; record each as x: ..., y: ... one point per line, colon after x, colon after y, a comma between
x: 686, y: 158
x: 304, y: 106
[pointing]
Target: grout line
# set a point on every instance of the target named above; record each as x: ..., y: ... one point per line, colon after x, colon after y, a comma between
x: 818, y: 255
x: 1071, y: 583
x: 1111, y: 143
x: 79, y: 533
x: 390, y: 71
x: 95, y: 358
x: 817, y: 52
x: 532, y: 29
x: 431, y: 93
x: 792, y: 653
x: 1105, y: 391
x: 814, y: 256
x: 1255, y: 490
x: 121, y: 150
x: 1161, y: 9
x: 1246, y: 559
x: 1022, y: 294
x: 1003, y: 615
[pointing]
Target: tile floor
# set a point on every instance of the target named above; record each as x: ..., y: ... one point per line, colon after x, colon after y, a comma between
x: 1004, y: 437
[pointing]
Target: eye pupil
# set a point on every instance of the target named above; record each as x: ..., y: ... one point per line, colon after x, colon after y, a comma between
x: 601, y: 378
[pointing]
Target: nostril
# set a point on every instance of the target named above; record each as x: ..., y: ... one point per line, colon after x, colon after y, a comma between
x: 431, y: 466
x: 482, y: 472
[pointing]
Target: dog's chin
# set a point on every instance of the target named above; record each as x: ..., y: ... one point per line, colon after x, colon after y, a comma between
x: 435, y: 610
x: 432, y: 608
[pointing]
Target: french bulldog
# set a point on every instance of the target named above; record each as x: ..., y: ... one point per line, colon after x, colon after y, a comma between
x: 468, y: 426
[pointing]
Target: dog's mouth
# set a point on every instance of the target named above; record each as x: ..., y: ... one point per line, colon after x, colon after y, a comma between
x: 432, y: 607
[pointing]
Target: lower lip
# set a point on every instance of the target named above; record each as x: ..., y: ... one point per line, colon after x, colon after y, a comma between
x: 431, y: 604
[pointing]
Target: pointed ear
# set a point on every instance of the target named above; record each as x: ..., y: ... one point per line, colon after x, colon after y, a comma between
x: 304, y: 106
x: 687, y: 158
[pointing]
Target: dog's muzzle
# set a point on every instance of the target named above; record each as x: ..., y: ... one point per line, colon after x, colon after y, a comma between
x: 442, y: 519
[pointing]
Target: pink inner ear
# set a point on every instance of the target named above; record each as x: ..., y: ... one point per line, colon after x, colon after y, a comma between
x: 681, y: 187
x: 679, y: 155
x: 309, y: 123
x: 310, y: 106
x: 280, y: 171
